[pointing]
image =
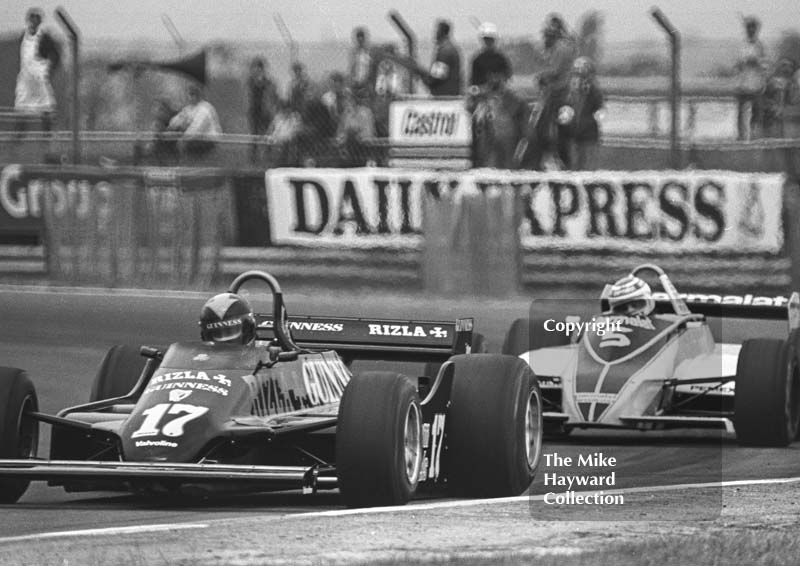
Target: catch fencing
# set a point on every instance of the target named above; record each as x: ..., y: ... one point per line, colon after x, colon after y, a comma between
x: 134, y: 228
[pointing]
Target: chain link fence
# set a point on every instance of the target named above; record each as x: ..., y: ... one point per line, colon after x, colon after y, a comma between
x: 137, y: 230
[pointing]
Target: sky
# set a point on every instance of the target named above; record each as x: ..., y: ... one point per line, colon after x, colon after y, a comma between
x: 308, y: 20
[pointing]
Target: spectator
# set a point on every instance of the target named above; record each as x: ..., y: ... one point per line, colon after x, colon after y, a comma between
x: 444, y: 77
x: 578, y: 117
x: 554, y: 78
x: 39, y: 57
x: 388, y: 85
x: 165, y: 145
x: 263, y: 100
x: 283, y: 135
x: 335, y: 99
x: 751, y: 80
x: 318, y: 129
x: 489, y: 60
x: 299, y: 87
x: 778, y: 94
x: 356, y: 129
x: 498, y: 115
x: 198, y: 123
x: 361, y: 60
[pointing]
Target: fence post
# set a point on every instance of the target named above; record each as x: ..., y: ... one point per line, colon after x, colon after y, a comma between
x: 675, y: 86
x: 411, y: 42
x: 74, y: 35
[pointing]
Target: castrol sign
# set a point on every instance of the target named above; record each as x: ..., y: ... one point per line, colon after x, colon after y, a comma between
x: 436, y: 122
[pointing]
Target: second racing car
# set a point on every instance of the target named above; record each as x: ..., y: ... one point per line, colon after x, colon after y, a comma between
x: 644, y: 363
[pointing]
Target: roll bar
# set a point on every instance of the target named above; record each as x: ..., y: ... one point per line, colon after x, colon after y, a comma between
x: 281, y: 326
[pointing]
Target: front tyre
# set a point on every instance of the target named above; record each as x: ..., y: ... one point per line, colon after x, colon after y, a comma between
x: 379, y: 440
x: 19, y: 434
x: 767, y: 394
x: 526, y: 334
x: 494, y: 428
x: 478, y: 345
x: 119, y: 372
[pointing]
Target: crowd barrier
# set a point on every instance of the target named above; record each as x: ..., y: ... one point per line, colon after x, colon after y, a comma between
x: 395, y: 270
x: 482, y: 232
x: 235, y: 151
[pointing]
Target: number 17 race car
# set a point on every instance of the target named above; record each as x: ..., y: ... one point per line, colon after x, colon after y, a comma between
x: 269, y: 402
x: 646, y: 363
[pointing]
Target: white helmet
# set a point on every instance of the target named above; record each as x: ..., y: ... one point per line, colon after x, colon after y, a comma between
x: 631, y: 296
x: 487, y: 29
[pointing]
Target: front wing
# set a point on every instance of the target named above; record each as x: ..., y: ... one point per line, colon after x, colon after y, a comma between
x: 55, y: 470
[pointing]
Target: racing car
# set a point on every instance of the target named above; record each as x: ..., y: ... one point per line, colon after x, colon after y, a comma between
x: 270, y: 402
x: 651, y: 361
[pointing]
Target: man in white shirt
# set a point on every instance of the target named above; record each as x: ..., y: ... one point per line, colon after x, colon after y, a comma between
x: 361, y: 60
x: 38, y: 56
x: 199, y: 123
x: 752, y: 76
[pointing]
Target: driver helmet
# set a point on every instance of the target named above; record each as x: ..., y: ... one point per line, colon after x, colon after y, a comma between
x: 631, y: 296
x: 227, y: 318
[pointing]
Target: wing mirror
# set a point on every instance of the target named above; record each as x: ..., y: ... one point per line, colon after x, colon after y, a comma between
x: 152, y: 353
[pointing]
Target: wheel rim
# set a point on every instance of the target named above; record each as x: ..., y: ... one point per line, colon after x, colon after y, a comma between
x: 412, y: 444
x: 28, y: 429
x: 533, y: 429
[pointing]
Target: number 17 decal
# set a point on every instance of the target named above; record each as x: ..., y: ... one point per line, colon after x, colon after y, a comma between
x: 155, y: 414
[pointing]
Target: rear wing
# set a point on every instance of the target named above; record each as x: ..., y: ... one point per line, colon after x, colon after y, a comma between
x: 379, y: 339
x: 732, y: 306
x: 738, y: 306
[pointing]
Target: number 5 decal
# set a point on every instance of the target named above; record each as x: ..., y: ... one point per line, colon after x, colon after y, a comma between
x: 155, y: 414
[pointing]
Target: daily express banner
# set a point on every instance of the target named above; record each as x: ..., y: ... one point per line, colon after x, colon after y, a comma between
x: 346, y: 207
x: 657, y: 210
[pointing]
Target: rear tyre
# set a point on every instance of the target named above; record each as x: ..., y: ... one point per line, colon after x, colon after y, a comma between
x: 767, y: 394
x: 379, y: 440
x: 479, y: 345
x: 494, y: 427
x: 118, y: 374
x: 19, y: 434
x: 527, y: 334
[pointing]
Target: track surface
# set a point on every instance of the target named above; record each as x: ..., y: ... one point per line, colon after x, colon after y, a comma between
x: 60, y: 338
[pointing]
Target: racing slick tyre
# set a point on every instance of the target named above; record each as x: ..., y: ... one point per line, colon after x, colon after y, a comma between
x: 767, y: 393
x: 379, y: 440
x: 527, y: 334
x: 19, y: 435
x: 494, y: 426
x: 479, y: 345
x: 119, y: 371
